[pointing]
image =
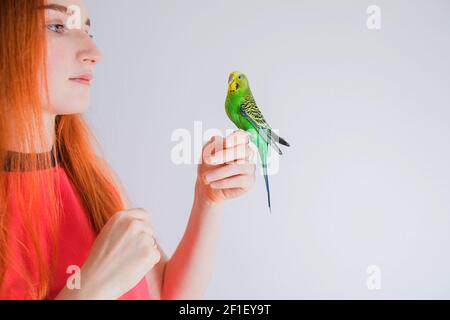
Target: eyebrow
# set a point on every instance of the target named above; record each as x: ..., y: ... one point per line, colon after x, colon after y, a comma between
x: 62, y: 9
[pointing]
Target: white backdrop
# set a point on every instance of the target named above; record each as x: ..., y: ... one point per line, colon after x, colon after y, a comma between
x: 366, y: 180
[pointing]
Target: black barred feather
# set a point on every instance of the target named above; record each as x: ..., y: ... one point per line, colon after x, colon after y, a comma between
x: 251, y: 112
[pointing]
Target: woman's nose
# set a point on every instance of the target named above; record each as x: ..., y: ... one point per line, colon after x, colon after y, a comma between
x: 90, y: 54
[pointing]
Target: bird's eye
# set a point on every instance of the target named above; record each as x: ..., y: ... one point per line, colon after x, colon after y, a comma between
x: 239, y: 77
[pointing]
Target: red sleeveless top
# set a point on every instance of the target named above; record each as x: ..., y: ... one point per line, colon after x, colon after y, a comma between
x: 76, y: 237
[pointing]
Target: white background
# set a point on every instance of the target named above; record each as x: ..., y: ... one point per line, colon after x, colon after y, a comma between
x: 366, y: 180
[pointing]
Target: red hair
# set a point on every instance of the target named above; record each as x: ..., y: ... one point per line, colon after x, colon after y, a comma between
x: 23, y: 95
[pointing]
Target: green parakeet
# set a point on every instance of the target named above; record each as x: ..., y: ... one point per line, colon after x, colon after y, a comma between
x: 245, y: 114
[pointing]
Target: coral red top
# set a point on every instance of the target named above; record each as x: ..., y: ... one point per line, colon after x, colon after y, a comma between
x: 76, y: 237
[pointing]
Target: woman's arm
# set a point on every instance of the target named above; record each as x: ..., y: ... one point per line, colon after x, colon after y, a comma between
x: 188, y: 271
x: 186, y: 274
x: 156, y: 275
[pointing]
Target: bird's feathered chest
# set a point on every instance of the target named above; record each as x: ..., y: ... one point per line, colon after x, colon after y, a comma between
x: 233, y: 105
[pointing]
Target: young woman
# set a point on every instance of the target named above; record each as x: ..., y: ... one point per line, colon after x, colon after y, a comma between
x: 67, y: 229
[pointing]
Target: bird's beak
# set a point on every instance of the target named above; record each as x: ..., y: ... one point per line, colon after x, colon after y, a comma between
x: 232, y: 82
x: 232, y: 86
x: 231, y: 78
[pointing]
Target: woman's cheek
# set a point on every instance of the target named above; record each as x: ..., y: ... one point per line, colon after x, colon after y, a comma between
x: 66, y: 96
x: 55, y: 69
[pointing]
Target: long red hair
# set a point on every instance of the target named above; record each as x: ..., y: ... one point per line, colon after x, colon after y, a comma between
x: 23, y: 95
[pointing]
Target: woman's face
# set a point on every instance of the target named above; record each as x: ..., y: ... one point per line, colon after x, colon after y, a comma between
x: 71, y: 53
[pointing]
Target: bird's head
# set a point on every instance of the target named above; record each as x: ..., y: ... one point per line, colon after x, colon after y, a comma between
x: 237, y: 82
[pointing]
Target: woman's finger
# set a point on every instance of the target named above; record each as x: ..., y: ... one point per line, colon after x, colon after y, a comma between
x: 239, y: 137
x: 249, y: 153
x: 137, y: 226
x: 241, y: 181
x: 229, y: 170
x: 136, y: 213
x: 148, y: 235
x: 214, y: 145
x: 239, y: 152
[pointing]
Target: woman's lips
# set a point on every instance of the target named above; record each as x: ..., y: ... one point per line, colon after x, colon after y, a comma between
x: 84, y: 79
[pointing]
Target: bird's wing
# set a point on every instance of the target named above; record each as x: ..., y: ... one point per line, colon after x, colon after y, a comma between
x: 251, y: 112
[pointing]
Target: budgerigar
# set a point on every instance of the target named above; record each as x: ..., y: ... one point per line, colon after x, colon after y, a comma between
x: 245, y: 114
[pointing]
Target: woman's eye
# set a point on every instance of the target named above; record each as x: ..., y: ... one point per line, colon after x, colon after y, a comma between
x: 58, y: 28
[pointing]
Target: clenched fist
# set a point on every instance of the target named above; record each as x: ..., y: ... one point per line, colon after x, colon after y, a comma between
x: 123, y: 253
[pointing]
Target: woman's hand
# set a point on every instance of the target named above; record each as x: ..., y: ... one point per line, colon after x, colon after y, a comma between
x: 121, y: 256
x: 225, y: 170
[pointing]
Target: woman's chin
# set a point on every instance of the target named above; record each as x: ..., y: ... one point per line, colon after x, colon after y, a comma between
x: 68, y: 110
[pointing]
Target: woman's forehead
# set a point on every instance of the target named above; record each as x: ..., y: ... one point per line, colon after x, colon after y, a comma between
x: 65, y: 6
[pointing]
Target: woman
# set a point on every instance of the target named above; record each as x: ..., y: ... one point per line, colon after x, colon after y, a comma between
x: 67, y: 229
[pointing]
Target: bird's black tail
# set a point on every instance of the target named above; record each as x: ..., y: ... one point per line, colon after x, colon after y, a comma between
x: 266, y: 179
x: 279, y: 139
